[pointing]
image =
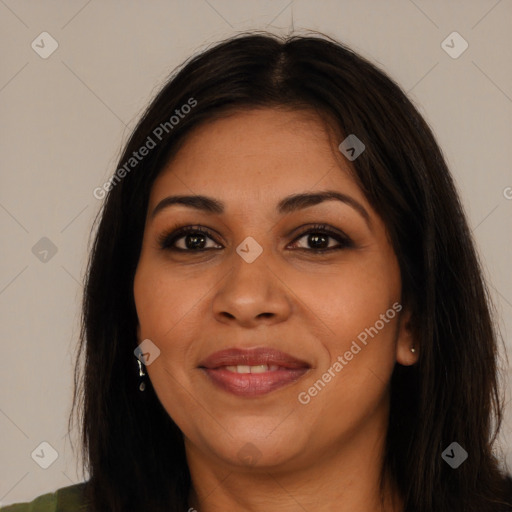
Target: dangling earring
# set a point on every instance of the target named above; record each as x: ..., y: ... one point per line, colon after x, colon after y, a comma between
x: 142, y: 382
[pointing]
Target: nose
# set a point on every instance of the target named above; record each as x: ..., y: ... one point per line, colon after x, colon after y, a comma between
x: 252, y: 294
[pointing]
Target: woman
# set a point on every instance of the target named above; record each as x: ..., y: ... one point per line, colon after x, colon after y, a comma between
x: 284, y: 308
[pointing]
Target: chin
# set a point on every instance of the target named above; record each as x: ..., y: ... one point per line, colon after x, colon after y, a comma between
x: 260, y: 446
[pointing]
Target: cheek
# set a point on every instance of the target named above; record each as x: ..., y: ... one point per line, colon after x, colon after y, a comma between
x: 358, y: 306
x: 166, y: 307
x: 164, y: 301
x: 352, y: 379
x: 352, y: 297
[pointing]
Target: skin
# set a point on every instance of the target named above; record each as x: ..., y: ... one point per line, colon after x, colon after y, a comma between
x: 325, y: 455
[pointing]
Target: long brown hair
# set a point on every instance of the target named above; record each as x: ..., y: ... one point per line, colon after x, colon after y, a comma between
x: 134, y: 451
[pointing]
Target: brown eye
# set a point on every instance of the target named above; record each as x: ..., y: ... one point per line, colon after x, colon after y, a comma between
x: 318, y: 240
x: 195, y: 239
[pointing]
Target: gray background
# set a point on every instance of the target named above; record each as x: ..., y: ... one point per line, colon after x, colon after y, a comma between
x: 64, y: 120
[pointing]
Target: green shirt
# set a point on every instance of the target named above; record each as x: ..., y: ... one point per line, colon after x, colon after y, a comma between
x: 65, y: 499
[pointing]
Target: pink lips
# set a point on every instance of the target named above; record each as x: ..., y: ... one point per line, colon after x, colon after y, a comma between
x: 288, y: 370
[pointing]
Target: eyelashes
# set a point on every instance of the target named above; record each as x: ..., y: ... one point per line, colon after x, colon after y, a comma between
x: 343, y: 241
x: 168, y: 239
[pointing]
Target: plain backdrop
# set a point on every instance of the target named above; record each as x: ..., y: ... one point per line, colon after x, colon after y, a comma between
x: 64, y: 119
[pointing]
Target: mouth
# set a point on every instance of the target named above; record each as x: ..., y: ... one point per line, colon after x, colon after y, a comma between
x: 252, y: 372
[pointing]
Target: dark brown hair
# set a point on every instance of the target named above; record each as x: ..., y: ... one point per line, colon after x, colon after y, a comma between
x: 134, y: 451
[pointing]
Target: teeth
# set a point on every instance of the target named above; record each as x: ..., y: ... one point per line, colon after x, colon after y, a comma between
x: 261, y: 368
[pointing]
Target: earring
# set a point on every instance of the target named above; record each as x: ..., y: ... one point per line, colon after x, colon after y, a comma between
x: 413, y: 350
x: 142, y: 383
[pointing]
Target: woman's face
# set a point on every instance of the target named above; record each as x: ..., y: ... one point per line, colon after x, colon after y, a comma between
x: 256, y: 280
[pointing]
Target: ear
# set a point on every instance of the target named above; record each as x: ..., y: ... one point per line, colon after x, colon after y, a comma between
x: 138, y: 333
x: 406, y: 341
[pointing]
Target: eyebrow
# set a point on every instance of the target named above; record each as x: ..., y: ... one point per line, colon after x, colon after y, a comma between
x: 287, y: 205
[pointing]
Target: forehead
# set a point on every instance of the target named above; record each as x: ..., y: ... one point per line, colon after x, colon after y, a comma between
x: 264, y: 153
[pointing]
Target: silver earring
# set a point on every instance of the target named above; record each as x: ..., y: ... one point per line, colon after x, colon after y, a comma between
x: 413, y: 350
x: 142, y: 384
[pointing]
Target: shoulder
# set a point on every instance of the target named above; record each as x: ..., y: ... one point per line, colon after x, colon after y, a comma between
x: 68, y: 499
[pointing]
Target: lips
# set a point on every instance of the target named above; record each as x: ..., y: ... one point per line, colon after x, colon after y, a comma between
x: 251, y: 373
x: 253, y: 357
